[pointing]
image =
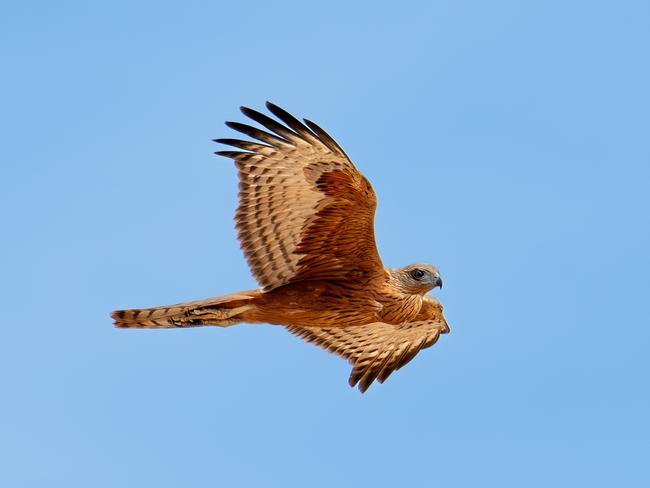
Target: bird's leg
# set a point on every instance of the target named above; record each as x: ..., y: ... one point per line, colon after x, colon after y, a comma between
x: 219, y: 313
x: 210, y: 316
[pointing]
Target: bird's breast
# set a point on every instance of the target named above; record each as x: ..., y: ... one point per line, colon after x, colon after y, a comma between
x: 399, y: 308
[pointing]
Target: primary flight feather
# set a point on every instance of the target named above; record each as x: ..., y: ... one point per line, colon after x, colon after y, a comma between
x: 305, y: 222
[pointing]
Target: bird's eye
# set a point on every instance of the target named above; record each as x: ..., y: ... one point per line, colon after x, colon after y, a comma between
x: 417, y: 273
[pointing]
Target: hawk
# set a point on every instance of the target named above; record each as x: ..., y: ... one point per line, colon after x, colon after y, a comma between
x: 305, y: 223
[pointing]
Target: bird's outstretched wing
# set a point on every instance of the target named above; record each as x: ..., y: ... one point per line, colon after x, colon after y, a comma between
x: 305, y: 211
x: 375, y: 350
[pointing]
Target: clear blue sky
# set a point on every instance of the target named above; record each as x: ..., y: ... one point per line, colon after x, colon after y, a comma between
x: 508, y: 143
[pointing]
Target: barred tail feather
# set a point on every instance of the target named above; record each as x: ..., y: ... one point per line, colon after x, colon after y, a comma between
x: 220, y: 311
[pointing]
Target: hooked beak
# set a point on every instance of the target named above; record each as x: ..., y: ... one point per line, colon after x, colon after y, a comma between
x: 439, y: 282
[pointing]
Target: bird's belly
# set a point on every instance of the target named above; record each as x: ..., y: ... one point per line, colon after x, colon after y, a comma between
x: 316, y: 304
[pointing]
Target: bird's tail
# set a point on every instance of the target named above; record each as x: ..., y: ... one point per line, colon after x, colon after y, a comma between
x: 222, y: 311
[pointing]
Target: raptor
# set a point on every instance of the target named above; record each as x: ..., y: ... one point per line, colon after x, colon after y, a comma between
x: 305, y: 223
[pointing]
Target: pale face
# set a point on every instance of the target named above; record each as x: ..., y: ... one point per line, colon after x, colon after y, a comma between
x: 417, y: 279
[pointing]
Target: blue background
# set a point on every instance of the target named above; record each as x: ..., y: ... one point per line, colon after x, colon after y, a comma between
x: 508, y: 144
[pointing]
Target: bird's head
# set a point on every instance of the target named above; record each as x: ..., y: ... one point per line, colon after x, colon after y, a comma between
x: 415, y: 279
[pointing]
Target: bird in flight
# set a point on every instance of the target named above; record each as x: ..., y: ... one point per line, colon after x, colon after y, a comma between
x: 305, y: 223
